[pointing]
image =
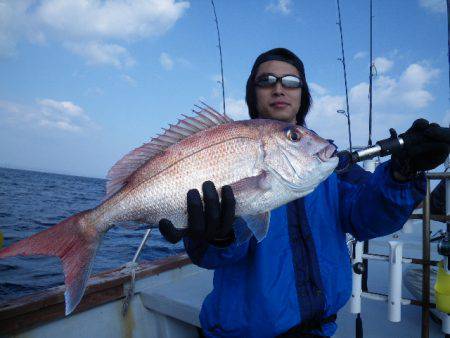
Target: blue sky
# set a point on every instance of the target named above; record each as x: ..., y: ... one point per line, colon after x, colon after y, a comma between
x: 84, y: 82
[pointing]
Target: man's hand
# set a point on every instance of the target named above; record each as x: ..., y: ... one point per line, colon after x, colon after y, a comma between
x: 426, y: 155
x: 211, y: 221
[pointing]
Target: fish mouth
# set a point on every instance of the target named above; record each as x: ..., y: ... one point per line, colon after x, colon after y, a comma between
x: 327, y: 158
x: 327, y: 153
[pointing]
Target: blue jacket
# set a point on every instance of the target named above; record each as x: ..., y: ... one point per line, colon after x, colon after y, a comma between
x: 301, y: 271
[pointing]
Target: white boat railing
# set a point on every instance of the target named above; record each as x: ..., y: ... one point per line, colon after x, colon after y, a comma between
x: 395, y: 259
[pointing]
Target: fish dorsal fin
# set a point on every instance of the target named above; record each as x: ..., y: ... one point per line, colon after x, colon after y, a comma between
x: 205, y: 118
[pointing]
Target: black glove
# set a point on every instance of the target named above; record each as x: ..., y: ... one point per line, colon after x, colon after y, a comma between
x: 430, y: 151
x: 212, y: 223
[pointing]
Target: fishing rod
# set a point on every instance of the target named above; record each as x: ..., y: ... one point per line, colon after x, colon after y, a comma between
x: 347, y: 112
x: 385, y: 147
x: 370, y: 79
x: 220, y: 54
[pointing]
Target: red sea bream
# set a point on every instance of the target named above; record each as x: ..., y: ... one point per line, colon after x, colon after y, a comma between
x: 267, y: 163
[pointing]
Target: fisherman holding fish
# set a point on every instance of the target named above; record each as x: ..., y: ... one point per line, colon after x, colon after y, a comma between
x: 293, y: 283
x: 288, y: 279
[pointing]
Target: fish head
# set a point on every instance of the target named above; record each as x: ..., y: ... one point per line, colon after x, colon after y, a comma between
x: 297, y: 156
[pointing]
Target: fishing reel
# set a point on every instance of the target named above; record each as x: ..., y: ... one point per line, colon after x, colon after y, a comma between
x: 444, y: 243
x: 444, y: 246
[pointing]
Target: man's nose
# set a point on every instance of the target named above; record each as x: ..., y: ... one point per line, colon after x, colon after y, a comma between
x: 278, y: 89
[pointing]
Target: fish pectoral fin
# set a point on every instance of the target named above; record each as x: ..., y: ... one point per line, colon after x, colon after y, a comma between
x: 241, y: 231
x: 258, y: 225
x: 251, y: 187
x: 251, y: 225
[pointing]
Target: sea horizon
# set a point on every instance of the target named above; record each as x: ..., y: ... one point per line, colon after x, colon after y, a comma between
x: 44, y: 171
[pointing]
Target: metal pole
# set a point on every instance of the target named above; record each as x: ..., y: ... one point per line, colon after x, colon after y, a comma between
x: 141, y: 246
x: 368, y: 165
x: 132, y: 267
x: 426, y: 264
x: 370, y: 79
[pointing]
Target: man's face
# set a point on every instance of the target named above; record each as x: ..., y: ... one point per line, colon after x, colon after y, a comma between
x: 277, y: 102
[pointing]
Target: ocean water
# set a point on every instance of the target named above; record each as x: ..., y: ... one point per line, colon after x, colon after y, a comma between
x: 33, y: 201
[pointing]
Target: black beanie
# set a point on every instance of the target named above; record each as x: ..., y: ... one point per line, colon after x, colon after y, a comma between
x: 285, y: 55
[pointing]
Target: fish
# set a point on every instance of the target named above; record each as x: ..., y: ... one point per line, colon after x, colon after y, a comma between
x: 267, y: 163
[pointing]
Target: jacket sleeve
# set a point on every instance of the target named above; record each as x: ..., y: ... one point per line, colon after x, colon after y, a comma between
x: 374, y: 205
x: 208, y: 256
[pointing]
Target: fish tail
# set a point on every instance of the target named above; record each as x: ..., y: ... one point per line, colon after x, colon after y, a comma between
x: 75, y: 241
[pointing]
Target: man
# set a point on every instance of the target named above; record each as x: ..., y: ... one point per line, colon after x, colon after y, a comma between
x: 293, y: 282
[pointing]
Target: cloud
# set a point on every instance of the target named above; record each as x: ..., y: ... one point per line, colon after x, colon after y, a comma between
x: 417, y: 75
x: 398, y: 100
x: 324, y: 119
x: 98, y: 53
x: 446, y: 120
x: 119, y: 19
x: 435, y: 6
x: 47, y: 114
x: 166, y: 61
x: 405, y: 92
x: 184, y: 62
x: 94, y: 91
x: 130, y: 80
x: 359, y: 55
x: 217, y: 78
x: 281, y: 6
x: 12, y: 25
x: 317, y: 89
x: 97, y: 25
x: 236, y: 108
x: 383, y: 65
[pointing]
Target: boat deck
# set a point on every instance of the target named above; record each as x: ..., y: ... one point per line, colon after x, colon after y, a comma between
x: 168, y: 298
x: 183, y: 299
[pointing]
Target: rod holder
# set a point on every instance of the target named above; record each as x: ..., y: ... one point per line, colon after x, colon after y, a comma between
x: 395, y: 281
x: 355, y: 301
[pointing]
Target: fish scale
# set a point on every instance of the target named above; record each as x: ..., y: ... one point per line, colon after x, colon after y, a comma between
x: 164, y: 195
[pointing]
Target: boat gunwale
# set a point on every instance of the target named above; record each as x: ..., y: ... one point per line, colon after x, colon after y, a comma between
x: 29, y: 311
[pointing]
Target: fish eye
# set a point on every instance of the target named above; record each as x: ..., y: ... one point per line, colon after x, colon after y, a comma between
x: 293, y: 135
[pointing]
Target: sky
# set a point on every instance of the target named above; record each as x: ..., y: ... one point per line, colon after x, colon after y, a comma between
x: 82, y: 83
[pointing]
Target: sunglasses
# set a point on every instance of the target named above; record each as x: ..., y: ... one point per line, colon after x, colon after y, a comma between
x: 287, y: 81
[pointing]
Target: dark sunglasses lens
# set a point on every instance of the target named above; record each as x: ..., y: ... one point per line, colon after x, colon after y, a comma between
x: 266, y: 81
x: 291, y: 81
